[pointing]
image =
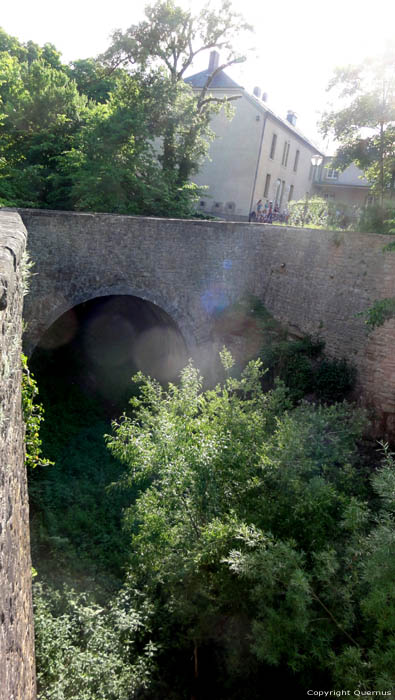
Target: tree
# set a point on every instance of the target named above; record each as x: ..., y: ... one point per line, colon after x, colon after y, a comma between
x: 166, y: 44
x: 95, y: 136
x: 112, y: 165
x: 365, y: 125
x: 255, y: 536
x: 40, y: 111
x: 92, y: 78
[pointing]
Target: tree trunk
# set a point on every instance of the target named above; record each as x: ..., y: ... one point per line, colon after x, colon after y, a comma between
x: 169, y: 156
x: 194, y: 695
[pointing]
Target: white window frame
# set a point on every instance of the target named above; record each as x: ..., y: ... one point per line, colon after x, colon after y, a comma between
x: 332, y: 174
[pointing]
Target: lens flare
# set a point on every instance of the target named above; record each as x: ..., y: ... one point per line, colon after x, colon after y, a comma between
x: 214, y: 299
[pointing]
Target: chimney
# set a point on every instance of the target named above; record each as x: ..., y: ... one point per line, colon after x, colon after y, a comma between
x: 257, y: 92
x: 291, y: 117
x: 264, y: 97
x: 214, y: 61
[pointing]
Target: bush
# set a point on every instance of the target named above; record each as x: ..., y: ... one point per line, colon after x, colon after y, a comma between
x: 88, y: 652
x: 321, y: 213
x: 376, y: 219
x: 334, y: 379
x: 304, y: 369
x: 254, y: 520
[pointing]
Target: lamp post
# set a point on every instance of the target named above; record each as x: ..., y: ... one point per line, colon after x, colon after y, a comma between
x: 316, y: 161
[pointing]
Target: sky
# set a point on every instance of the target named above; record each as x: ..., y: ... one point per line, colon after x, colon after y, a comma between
x: 291, y: 55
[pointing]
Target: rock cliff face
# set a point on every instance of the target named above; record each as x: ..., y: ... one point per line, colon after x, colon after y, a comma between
x: 17, y: 676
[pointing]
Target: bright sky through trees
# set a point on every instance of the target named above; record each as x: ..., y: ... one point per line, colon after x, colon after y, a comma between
x: 297, y: 44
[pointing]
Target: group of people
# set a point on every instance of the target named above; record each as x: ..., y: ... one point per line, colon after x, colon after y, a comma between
x: 266, y: 213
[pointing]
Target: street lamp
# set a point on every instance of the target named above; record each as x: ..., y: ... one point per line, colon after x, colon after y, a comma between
x: 316, y: 161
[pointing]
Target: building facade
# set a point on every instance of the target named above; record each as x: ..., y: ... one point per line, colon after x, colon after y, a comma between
x: 255, y: 155
x: 258, y: 155
x: 348, y: 187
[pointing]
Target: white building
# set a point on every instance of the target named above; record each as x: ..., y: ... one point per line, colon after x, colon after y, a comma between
x: 256, y: 155
x: 349, y: 186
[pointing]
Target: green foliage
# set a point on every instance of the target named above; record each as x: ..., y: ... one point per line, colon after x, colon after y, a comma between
x: 114, y: 166
x: 380, y: 312
x: 334, y: 379
x: 92, y: 79
x: 256, y: 515
x: 317, y: 212
x: 169, y: 39
x: 254, y: 542
x: 173, y: 36
x: 40, y: 112
x: 375, y: 218
x: 96, y: 136
x: 364, y: 125
x: 75, y: 513
x: 305, y: 370
x: 33, y: 414
x: 90, y: 651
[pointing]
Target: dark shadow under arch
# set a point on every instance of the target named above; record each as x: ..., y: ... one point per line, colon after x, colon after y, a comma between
x: 102, y: 342
x: 45, y: 313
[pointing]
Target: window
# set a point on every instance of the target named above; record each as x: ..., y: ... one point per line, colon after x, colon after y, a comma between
x: 202, y: 204
x: 316, y: 174
x: 296, y: 161
x: 273, y: 146
x: 267, y: 186
x: 281, y: 194
x: 332, y: 174
x: 278, y: 191
x: 291, y: 193
x: 285, y: 154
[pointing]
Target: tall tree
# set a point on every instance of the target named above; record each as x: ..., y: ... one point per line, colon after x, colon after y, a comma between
x: 166, y: 44
x: 364, y: 125
x: 112, y: 164
x: 92, y: 79
x: 40, y: 111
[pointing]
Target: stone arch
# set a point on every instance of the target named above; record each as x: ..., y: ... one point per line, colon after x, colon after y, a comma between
x: 47, y: 318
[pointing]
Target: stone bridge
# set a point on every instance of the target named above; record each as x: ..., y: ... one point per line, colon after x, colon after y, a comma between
x: 314, y: 282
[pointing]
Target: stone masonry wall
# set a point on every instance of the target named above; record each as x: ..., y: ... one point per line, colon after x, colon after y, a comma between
x: 17, y: 677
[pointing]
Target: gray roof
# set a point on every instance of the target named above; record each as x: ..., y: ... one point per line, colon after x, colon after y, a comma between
x: 262, y: 106
x: 221, y: 80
